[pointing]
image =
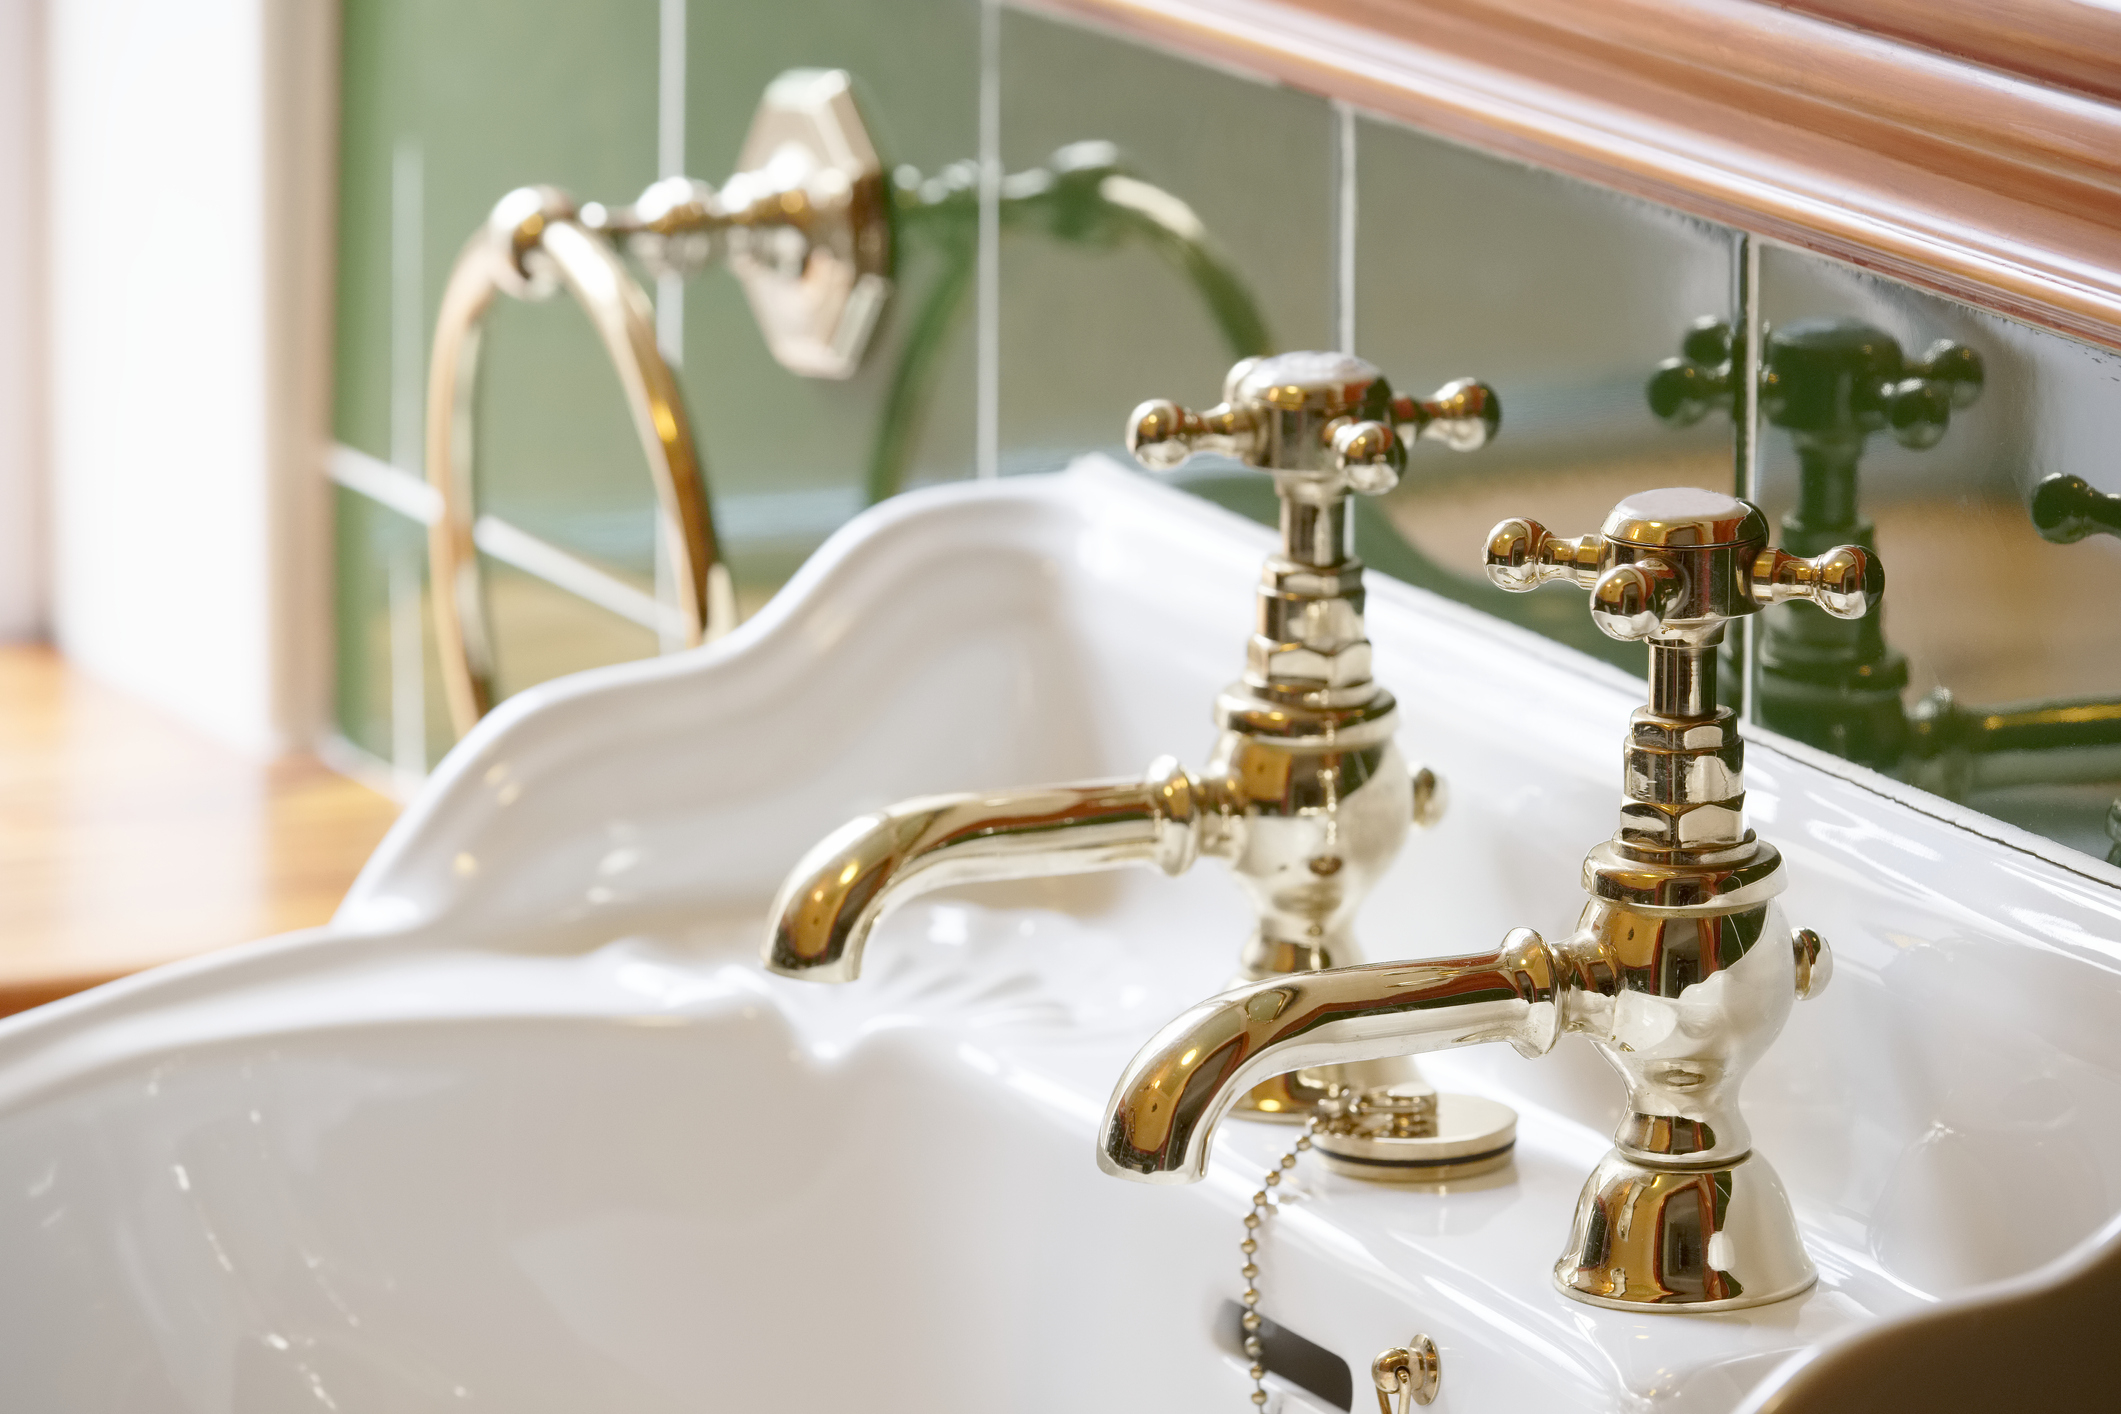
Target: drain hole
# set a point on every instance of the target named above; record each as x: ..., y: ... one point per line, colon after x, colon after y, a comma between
x: 1308, y: 1366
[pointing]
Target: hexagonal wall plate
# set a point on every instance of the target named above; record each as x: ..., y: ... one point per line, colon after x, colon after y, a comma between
x: 818, y: 286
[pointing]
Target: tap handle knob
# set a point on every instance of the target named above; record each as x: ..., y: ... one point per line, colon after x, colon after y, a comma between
x: 1162, y: 436
x: 1321, y: 417
x: 1523, y: 554
x: 1633, y: 599
x: 1954, y: 369
x: 1917, y: 407
x: 2067, y: 508
x: 1368, y: 456
x: 1843, y: 377
x: 1681, y: 558
x: 1846, y: 581
x: 1464, y: 414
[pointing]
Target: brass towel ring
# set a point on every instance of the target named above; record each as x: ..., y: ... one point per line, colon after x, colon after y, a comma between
x: 804, y: 224
x: 534, y: 242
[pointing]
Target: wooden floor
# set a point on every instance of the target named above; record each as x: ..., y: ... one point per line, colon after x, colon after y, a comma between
x: 128, y: 839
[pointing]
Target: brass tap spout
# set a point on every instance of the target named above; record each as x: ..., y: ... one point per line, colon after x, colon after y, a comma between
x: 1165, y: 1109
x: 835, y: 896
x: 1681, y: 1005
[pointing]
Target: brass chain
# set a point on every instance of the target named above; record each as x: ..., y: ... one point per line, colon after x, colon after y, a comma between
x: 1262, y: 1209
x: 1404, y: 1375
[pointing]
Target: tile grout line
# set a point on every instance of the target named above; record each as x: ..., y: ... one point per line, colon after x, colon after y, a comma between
x: 1745, y: 438
x: 406, y: 633
x: 1344, y: 159
x: 1746, y: 301
x: 669, y: 288
x: 407, y: 301
x: 988, y: 399
x: 670, y: 162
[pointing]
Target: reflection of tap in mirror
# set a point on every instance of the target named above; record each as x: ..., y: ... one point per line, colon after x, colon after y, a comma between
x: 2013, y: 695
x: 2066, y: 509
x: 1830, y: 384
x: 1860, y: 441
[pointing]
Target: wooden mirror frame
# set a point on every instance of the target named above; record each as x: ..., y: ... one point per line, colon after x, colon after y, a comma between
x: 1982, y: 162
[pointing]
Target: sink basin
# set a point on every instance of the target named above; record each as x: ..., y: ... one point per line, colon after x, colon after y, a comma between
x: 527, y: 1128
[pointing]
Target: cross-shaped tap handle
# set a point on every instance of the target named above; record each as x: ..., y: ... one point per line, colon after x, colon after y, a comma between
x: 1327, y: 418
x: 1824, y: 377
x: 1680, y: 563
x: 2067, y: 508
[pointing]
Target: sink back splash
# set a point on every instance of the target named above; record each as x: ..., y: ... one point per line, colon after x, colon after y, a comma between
x: 1433, y: 260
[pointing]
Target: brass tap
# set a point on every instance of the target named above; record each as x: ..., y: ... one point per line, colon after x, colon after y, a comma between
x: 1681, y: 969
x: 1305, y: 795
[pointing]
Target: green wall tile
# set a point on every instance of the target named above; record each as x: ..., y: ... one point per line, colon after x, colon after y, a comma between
x: 365, y: 536
x: 482, y: 100
x: 1562, y: 297
x: 1087, y: 332
x: 544, y: 632
x: 788, y: 456
x: 446, y: 105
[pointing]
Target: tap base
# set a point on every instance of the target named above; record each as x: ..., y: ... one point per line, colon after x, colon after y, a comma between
x: 1686, y: 1240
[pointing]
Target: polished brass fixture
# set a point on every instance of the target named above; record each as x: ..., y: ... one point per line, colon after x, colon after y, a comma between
x: 1264, y: 1207
x: 1681, y: 970
x: 1305, y: 796
x: 804, y: 225
x: 1407, y: 1375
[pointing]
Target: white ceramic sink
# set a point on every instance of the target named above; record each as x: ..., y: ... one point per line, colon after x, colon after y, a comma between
x: 527, y: 1128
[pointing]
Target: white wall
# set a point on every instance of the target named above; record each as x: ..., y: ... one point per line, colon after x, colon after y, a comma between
x: 22, y: 389
x: 190, y: 185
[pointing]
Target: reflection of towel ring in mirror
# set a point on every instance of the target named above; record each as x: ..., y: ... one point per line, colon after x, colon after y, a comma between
x: 534, y: 243
x: 805, y: 225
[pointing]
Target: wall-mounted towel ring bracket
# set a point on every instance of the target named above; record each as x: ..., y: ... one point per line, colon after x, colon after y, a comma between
x: 806, y: 227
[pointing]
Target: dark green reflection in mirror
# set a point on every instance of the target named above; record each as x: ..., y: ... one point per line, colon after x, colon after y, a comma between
x: 1831, y: 384
x: 2066, y: 509
x: 1084, y: 195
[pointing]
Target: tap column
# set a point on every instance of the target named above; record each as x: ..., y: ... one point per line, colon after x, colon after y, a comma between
x: 1316, y: 798
x: 1682, y: 969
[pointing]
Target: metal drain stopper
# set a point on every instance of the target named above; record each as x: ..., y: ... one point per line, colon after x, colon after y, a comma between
x: 1411, y: 1134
